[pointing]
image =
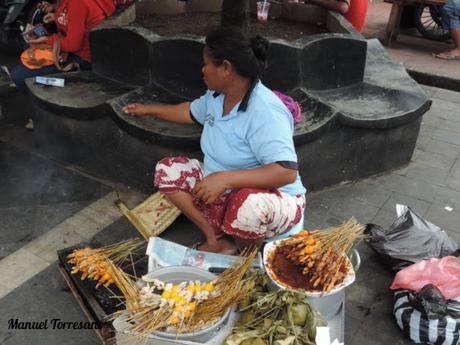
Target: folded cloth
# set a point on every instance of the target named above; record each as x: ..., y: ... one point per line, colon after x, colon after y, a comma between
x: 293, y: 106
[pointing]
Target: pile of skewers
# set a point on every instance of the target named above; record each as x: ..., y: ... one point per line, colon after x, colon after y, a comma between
x: 322, y: 254
x: 94, y: 263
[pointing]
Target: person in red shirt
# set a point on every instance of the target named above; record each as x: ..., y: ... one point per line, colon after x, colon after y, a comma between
x: 74, y: 20
x: 355, y: 11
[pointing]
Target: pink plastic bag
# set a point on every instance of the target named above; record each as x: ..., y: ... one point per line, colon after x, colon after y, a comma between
x: 443, y: 273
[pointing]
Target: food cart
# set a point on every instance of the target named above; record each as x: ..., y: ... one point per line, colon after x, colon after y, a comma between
x: 426, y: 18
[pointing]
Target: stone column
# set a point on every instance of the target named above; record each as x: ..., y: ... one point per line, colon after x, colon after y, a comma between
x: 236, y: 13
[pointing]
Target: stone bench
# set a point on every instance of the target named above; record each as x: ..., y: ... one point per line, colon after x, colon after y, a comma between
x: 84, y: 96
x: 361, y: 110
x: 155, y: 131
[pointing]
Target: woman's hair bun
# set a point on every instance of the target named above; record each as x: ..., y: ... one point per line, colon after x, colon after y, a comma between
x: 260, y: 47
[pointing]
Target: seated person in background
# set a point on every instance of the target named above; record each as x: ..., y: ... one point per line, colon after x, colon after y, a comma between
x: 451, y: 21
x: 355, y: 11
x: 74, y: 20
x: 248, y: 187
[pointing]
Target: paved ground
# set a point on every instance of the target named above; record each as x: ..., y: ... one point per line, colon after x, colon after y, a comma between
x: 410, y: 48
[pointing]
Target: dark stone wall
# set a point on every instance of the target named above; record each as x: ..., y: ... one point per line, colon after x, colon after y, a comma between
x: 102, y: 148
x: 122, y: 54
x: 176, y: 64
x: 283, y: 67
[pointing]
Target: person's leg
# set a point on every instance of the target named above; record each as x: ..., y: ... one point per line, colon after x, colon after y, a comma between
x: 214, y: 243
x: 176, y: 177
x: 184, y: 202
x: 83, y: 64
x: 451, y: 20
x: 253, y: 215
x: 20, y: 72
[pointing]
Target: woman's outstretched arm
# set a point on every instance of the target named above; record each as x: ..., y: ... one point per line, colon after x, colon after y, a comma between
x: 179, y: 113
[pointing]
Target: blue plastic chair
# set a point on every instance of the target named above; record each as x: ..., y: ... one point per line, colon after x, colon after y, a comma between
x: 295, y: 229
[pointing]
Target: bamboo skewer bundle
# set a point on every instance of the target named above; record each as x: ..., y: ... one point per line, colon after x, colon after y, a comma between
x: 126, y: 284
x: 143, y: 318
x: 322, y: 254
x: 230, y: 287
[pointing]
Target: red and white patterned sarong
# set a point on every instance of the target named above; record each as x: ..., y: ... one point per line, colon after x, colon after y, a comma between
x: 248, y: 213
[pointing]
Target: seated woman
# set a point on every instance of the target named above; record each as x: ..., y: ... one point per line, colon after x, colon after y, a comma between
x: 248, y: 186
x: 74, y: 20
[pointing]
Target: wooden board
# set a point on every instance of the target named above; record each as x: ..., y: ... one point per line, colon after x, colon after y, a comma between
x: 392, y: 29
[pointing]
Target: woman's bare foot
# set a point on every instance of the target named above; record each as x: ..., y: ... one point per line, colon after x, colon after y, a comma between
x: 222, y: 246
x: 243, y: 244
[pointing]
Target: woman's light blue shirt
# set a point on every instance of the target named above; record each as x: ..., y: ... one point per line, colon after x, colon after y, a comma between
x: 246, y: 139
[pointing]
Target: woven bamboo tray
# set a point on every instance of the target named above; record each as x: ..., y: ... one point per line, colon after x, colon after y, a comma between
x: 153, y: 216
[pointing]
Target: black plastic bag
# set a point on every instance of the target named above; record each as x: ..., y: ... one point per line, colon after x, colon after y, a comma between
x: 427, y: 317
x: 431, y: 303
x: 409, y: 239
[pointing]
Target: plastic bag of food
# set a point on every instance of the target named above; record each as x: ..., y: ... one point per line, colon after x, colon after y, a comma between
x: 427, y: 317
x: 163, y: 253
x: 443, y: 273
x: 409, y: 239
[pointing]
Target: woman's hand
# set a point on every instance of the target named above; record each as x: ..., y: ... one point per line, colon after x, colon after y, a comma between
x: 46, y: 7
x: 136, y: 109
x: 38, y: 42
x: 49, y: 17
x: 211, y: 187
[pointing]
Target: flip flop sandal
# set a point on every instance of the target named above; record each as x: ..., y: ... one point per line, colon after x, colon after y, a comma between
x: 446, y: 57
